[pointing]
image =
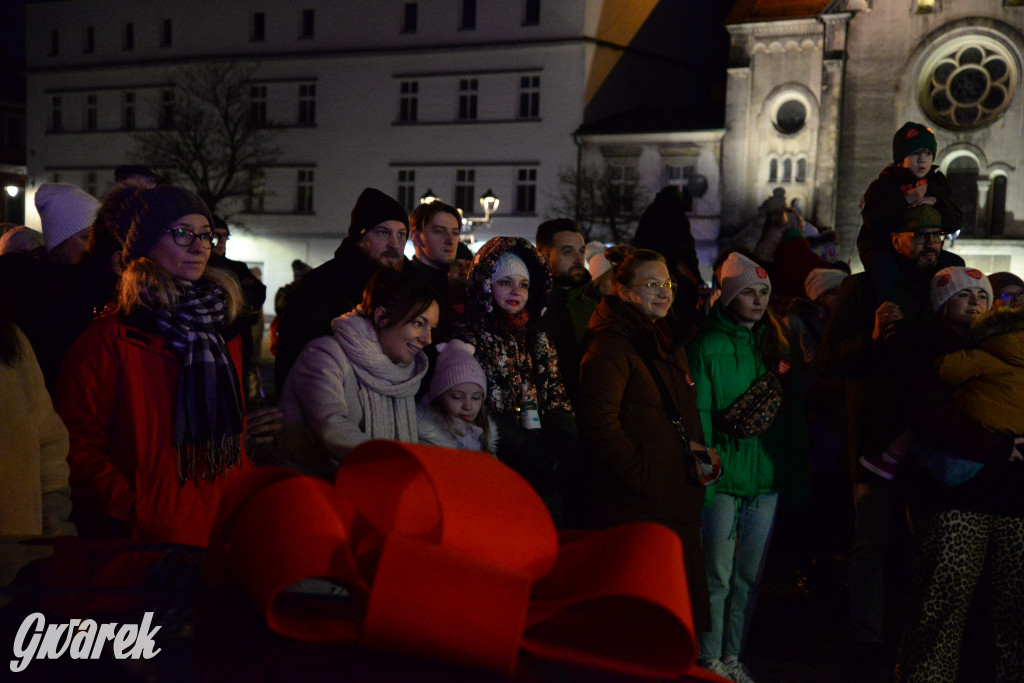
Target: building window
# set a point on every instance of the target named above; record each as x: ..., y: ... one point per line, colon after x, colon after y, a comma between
x: 90, y: 111
x: 258, y: 105
x: 409, y: 17
x: 407, y: 189
x: 801, y: 170
x: 467, y: 99
x: 925, y: 6
x: 968, y: 84
x: 257, y: 190
x: 166, y: 33
x: 790, y: 116
x: 304, y: 192
x: 529, y: 97
x: 787, y: 170
x: 128, y: 111
x: 773, y: 171
x: 258, y: 29
x: 468, y: 14
x: 526, y: 190
x: 464, y: 189
x: 89, y: 41
x: 167, y: 108
x: 308, y: 23
x: 622, y: 184
x: 678, y: 175
x: 56, y: 118
x: 408, y: 100
x: 128, y: 37
x: 307, y: 104
x: 531, y: 12
x: 91, y: 183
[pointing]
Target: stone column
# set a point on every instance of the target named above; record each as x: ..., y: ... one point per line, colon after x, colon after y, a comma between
x: 833, y: 70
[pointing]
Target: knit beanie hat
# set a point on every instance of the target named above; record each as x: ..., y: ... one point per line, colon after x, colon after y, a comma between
x: 373, y: 208
x: 21, y: 239
x: 910, y: 138
x: 1001, y: 281
x: 737, y: 273
x: 455, y: 365
x: 949, y: 281
x: 821, y: 281
x: 509, y: 264
x: 139, y: 216
x: 65, y: 210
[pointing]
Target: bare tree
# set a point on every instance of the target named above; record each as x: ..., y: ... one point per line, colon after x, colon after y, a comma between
x: 208, y: 136
x: 606, y: 209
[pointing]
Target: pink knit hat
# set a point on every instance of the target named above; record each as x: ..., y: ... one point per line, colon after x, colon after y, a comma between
x: 736, y: 274
x: 455, y: 365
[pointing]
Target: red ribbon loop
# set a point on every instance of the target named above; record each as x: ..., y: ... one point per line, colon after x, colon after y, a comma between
x: 450, y: 555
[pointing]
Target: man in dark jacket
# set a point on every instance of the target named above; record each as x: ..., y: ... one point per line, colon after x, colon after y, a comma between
x: 435, y: 229
x: 376, y: 237
x: 863, y: 342
x: 565, y: 321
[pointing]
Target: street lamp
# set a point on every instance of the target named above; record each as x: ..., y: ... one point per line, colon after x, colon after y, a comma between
x: 12, y: 190
x: 489, y: 202
x: 428, y: 197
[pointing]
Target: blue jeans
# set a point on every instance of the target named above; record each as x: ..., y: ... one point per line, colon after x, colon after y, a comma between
x: 736, y: 533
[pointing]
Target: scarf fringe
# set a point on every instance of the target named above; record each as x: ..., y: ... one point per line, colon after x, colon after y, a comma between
x: 207, y: 460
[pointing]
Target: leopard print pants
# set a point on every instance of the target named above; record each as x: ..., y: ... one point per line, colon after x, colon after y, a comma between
x: 956, y: 550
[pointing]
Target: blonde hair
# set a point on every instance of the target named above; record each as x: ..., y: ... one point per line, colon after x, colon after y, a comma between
x: 145, y: 284
x: 482, y: 420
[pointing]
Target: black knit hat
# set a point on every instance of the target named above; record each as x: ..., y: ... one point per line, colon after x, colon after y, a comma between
x: 138, y: 216
x: 911, y: 137
x: 373, y: 208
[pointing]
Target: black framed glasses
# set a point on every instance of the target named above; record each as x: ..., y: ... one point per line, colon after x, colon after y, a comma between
x: 654, y: 287
x: 931, y: 236
x: 184, y: 237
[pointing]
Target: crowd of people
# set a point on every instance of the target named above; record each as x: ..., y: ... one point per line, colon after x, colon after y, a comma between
x: 609, y: 376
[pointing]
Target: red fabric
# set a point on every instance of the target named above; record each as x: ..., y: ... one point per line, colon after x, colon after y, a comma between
x: 116, y: 395
x: 451, y: 555
x: 794, y: 260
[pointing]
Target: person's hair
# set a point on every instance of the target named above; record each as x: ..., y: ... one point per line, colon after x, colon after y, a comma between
x: 424, y: 213
x: 480, y: 421
x: 624, y: 269
x: 547, y: 230
x: 402, y: 295
x: 145, y: 284
x: 774, y: 345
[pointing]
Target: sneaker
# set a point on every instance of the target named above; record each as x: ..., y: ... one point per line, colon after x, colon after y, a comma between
x: 882, y: 464
x: 737, y: 672
x: 716, y: 666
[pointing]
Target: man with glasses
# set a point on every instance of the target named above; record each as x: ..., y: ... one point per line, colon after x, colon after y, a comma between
x: 863, y: 342
x: 435, y: 230
x: 561, y: 245
x: 1007, y: 290
x: 376, y: 237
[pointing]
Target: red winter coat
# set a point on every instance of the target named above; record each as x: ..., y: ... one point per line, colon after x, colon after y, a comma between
x: 116, y: 394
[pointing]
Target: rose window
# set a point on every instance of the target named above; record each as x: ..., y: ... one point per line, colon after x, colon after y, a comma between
x: 968, y: 87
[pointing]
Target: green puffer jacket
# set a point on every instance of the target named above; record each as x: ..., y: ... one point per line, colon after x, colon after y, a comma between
x: 724, y: 362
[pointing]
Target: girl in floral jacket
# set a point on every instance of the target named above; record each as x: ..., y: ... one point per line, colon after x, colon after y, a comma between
x: 508, y: 288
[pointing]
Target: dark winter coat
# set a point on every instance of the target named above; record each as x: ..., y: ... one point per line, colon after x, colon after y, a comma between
x: 885, y: 204
x: 452, y: 294
x: 565, y: 323
x: 641, y: 469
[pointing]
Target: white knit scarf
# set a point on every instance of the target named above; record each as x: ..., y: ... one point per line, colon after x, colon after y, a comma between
x: 386, y: 389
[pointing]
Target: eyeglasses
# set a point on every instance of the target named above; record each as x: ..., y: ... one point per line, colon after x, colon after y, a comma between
x: 184, y: 237
x: 923, y: 237
x: 1012, y: 296
x: 654, y: 287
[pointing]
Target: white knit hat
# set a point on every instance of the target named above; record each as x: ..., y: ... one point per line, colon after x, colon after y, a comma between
x: 949, y: 281
x: 65, y: 210
x: 736, y: 274
x: 821, y: 281
x: 509, y: 264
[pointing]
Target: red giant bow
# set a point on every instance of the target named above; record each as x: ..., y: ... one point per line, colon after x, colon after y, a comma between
x: 450, y: 555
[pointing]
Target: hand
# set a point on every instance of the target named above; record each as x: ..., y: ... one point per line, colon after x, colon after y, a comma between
x: 930, y: 201
x: 886, y: 314
x: 916, y: 193
x: 261, y: 426
x: 1015, y: 454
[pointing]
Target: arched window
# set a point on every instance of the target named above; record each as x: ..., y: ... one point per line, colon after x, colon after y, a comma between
x: 997, y: 206
x: 773, y: 171
x: 962, y: 174
x: 787, y: 170
x: 801, y: 170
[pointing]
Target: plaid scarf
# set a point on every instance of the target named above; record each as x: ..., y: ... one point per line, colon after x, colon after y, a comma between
x: 208, y: 416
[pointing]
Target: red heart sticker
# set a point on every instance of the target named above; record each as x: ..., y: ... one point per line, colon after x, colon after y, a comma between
x: 943, y: 281
x: 761, y: 273
x: 912, y: 133
x: 784, y: 367
x: 973, y: 272
x: 689, y: 380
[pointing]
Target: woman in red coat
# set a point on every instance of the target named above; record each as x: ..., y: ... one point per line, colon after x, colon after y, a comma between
x: 150, y: 392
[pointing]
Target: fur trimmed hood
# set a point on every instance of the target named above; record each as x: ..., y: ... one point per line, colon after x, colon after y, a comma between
x: 1000, y: 332
x: 480, y: 303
